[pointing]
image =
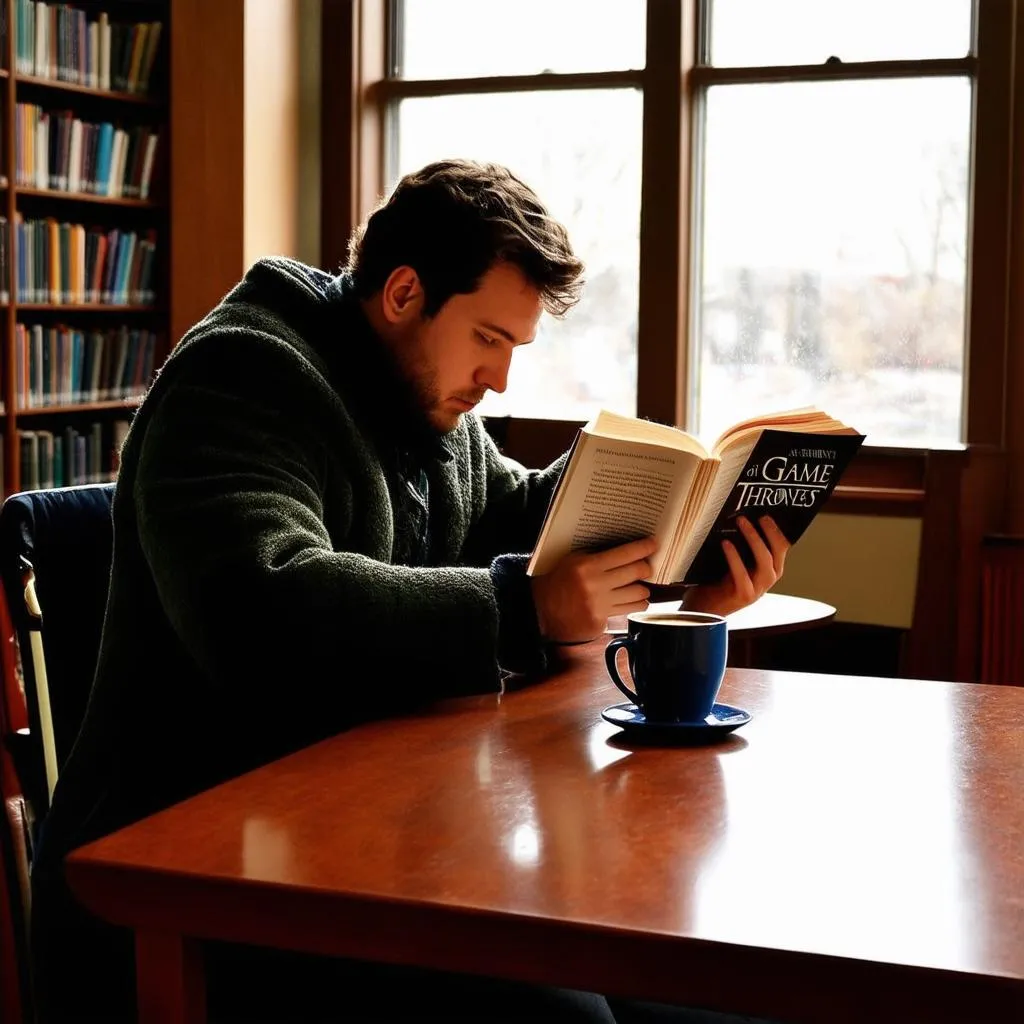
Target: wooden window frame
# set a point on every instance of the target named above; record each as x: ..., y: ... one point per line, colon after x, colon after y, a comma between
x: 356, y: 95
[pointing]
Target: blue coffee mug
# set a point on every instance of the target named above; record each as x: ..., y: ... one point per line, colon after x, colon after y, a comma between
x: 677, y: 661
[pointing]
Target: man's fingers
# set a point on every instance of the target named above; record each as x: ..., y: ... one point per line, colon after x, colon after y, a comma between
x: 631, y: 551
x: 741, y: 581
x: 777, y: 540
x: 623, y: 575
x: 765, y: 571
x: 629, y: 595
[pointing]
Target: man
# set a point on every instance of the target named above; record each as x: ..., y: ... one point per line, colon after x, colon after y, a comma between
x: 308, y: 522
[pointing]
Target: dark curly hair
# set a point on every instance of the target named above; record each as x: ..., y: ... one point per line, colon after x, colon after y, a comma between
x: 451, y: 222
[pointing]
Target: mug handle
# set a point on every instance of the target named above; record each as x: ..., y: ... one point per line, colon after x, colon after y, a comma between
x: 613, y: 648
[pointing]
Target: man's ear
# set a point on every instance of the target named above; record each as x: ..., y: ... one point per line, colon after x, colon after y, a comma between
x: 402, y: 296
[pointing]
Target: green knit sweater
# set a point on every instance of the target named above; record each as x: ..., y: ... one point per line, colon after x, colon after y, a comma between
x: 254, y: 604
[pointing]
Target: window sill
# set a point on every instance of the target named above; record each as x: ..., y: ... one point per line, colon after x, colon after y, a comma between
x: 876, y: 501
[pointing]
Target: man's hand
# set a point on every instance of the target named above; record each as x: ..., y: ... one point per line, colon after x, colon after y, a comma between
x: 740, y: 587
x: 575, y: 599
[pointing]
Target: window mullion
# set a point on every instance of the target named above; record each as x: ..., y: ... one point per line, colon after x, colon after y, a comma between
x: 707, y: 75
x: 988, y: 270
x: 665, y: 237
x: 405, y: 88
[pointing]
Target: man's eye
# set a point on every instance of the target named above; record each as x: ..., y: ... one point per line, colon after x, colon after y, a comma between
x: 486, y: 339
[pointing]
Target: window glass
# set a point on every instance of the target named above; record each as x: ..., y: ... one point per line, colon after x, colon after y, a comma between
x: 480, y: 38
x: 833, y: 267
x: 756, y: 33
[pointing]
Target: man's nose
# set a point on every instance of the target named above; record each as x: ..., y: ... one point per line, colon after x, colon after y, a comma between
x: 494, y: 375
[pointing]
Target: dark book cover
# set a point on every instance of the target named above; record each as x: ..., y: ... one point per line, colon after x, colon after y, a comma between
x: 788, y: 476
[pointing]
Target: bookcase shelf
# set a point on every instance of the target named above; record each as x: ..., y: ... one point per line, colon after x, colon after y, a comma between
x: 141, y: 99
x: 87, y: 197
x: 83, y: 307
x: 127, y: 404
x: 40, y: 341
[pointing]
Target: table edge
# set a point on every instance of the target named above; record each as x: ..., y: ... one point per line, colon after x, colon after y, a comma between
x: 591, y: 956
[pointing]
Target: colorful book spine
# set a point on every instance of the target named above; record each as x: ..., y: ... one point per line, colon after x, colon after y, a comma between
x: 80, y: 454
x: 82, y: 46
x: 60, y: 366
x: 63, y: 263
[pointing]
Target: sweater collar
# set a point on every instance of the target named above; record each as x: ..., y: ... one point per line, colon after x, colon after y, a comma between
x: 372, y: 383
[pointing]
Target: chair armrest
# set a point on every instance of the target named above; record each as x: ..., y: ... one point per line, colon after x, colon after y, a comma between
x: 19, y: 830
x: 26, y: 767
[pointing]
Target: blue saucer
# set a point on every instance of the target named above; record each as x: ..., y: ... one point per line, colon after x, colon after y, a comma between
x: 722, y: 720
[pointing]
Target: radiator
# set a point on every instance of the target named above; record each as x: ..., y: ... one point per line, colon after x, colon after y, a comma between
x: 1002, y: 611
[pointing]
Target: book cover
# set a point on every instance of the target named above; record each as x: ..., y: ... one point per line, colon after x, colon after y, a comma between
x: 787, y: 476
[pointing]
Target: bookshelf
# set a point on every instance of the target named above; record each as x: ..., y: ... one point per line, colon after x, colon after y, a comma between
x: 84, y: 191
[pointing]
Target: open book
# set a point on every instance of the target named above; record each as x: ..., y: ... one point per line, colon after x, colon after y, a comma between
x: 627, y: 478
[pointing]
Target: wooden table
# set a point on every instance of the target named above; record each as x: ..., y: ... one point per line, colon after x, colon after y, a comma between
x: 855, y: 853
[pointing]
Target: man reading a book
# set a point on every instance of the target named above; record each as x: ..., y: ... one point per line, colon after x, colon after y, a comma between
x: 313, y: 529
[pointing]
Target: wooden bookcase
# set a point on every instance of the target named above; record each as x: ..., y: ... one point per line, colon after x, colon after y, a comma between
x: 94, y: 105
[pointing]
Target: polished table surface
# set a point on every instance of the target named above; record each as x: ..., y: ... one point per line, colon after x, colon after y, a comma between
x: 855, y: 853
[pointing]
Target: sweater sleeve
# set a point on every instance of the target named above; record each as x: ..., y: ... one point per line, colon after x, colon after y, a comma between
x: 228, y: 489
x: 521, y: 648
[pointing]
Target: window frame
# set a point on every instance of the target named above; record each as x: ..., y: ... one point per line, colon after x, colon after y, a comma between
x: 357, y: 91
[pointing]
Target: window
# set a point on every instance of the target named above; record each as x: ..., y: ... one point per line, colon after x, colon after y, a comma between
x: 778, y: 203
x: 834, y: 214
x: 576, y: 142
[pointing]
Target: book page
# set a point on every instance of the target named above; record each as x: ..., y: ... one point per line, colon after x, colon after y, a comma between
x: 628, y: 428
x: 617, y: 491
x: 796, y: 417
x: 803, y: 421
x: 732, y: 465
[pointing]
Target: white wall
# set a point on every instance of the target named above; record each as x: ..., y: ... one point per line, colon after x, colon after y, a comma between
x: 282, y: 129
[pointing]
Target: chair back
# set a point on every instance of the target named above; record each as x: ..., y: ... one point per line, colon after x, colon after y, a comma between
x: 59, y: 543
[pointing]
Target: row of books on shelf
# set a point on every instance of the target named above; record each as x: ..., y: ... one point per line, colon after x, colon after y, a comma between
x: 70, y: 456
x: 83, y: 47
x: 65, y: 263
x: 61, y: 366
x: 56, y: 150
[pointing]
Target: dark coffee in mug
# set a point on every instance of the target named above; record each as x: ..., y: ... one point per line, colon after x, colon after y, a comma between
x: 677, y: 661
x: 664, y: 620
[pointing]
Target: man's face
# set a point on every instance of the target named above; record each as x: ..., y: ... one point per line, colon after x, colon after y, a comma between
x: 455, y: 357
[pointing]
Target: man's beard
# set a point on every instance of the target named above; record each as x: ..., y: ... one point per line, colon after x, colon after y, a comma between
x: 423, y: 383
x: 426, y: 396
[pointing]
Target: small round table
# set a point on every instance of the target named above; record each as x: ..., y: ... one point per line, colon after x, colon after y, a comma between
x: 769, y: 615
